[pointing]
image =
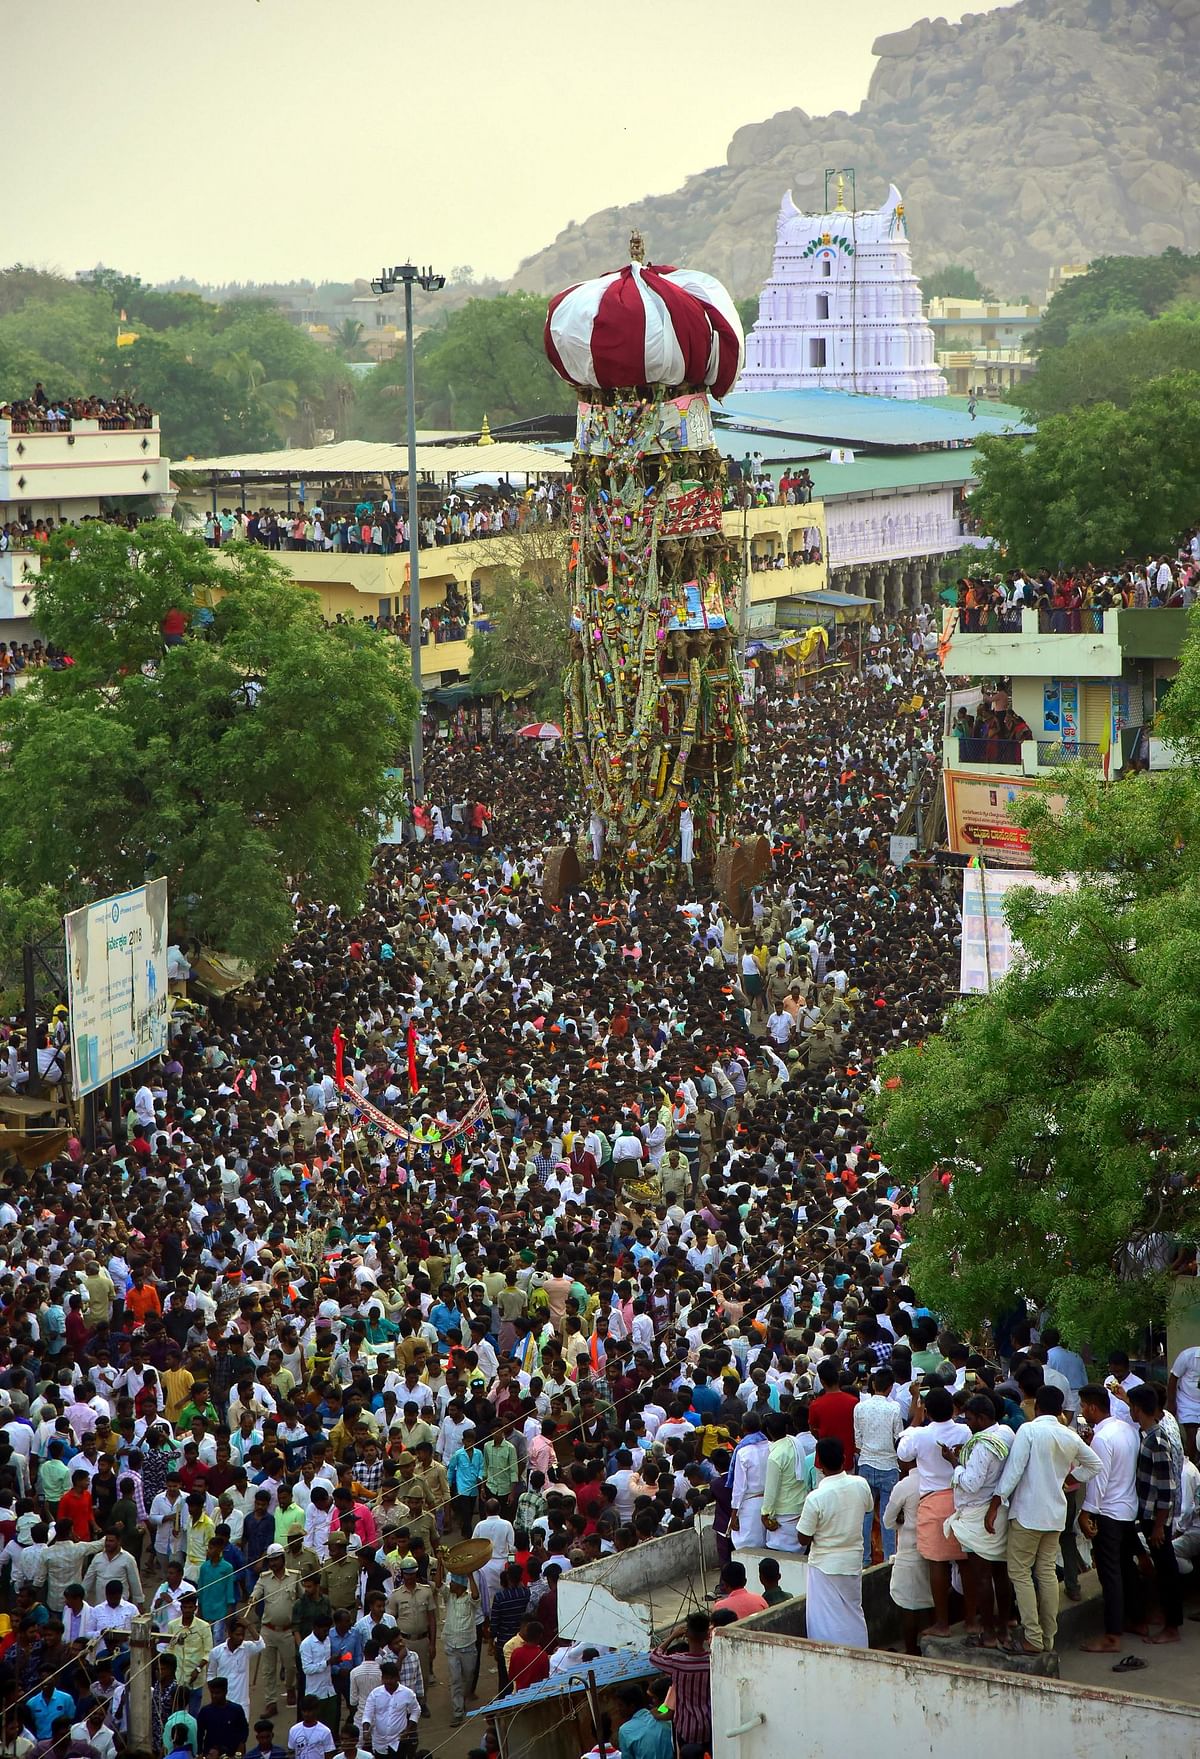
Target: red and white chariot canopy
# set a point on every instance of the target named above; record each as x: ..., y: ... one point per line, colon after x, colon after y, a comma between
x: 644, y: 325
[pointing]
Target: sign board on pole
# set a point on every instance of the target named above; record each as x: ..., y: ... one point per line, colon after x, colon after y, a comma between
x: 117, y: 984
x: 900, y: 848
x: 977, y: 816
x: 988, y: 945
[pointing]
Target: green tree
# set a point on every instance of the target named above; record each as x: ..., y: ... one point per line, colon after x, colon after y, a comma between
x: 245, y: 762
x: 485, y: 358
x: 149, y: 307
x: 1097, y: 484
x: 1116, y: 286
x: 528, y: 613
x: 348, y: 339
x: 201, y: 414
x: 69, y: 333
x: 747, y: 310
x: 222, y: 377
x: 1109, y: 360
x: 24, y: 916
x: 955, y: 281
x: 1062, y: 1106
x: 273, y: 400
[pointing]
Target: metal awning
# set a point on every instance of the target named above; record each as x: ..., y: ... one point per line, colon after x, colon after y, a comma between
x: 382, y: 458
x: 612, y: 1669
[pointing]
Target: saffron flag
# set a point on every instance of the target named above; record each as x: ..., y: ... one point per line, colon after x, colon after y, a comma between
x: 1106, y: 746
x: 339, y: 1057
x: 413, y: 1082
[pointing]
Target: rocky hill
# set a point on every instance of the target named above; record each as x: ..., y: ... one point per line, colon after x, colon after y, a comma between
x: 1048, y: 132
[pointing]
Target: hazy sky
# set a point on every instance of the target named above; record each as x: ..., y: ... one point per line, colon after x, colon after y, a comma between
x: 278, y: 139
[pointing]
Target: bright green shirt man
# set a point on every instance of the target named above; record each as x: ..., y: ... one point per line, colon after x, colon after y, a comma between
x: 501, y: 1467
x: 54, y: 1477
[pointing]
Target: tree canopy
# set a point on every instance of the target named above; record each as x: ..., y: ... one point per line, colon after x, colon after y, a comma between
x: 220, y: 377
x: 955, y: 281
x: 1096, y: 484
x: 528, y: 611
x: 1126, y: 287
x: 243, y: 763
x: 484, y: 359
x: 1060, y: 1111
x: 1108, y: 360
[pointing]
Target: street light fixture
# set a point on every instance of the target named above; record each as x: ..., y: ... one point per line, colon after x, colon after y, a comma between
x: 386, y: 282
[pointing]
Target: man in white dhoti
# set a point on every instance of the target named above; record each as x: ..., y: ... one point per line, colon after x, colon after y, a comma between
x: 987, y: 1599
x: 747, y: 1481
x: 687, y: 838
x: 830, y: 1526
x: 596, y: 831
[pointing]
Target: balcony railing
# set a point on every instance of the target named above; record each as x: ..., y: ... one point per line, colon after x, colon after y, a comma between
x: 1088, y: 620
x: 989, y: 751
x: 976, y: 622
x: 1053, y: 753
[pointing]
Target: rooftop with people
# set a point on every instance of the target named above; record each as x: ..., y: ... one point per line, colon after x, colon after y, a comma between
x: 42, y: 413
x: 1073, y: 601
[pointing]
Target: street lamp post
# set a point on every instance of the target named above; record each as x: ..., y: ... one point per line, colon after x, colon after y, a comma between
x: 387, y: 282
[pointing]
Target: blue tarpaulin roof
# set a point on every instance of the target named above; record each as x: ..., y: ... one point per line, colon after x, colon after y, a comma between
x: 844, y: 418
x: 609, y: 1670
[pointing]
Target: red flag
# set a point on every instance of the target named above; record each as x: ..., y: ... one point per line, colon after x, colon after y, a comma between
x: 413, y: 1082
x: 339, y: 1057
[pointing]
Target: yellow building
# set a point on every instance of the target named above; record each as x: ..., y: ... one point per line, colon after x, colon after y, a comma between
x: 982, y: 344
x: 786, y: 547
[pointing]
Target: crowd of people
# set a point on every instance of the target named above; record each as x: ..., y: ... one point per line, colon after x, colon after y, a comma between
x: 31, y: 531
x: 1072, y: 601
x: 379, y: 528
x: 260, y: 1357
x: 752, y: 485
x: 40, y: 413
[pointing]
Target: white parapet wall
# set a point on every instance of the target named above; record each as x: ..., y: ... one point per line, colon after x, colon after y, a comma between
x: 777, y: 1697
x: 629, y: 1599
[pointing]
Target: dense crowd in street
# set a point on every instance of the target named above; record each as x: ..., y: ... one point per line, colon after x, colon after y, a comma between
x: 261, y: 1359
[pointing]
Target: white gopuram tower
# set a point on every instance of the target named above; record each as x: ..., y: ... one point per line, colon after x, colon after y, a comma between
x: 842, y: 308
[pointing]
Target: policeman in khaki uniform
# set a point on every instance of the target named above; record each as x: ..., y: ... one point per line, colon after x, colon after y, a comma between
x: 339, y: 1576
x: 413, y: 1605
x: 273, y: 1598
x: 432, y: 1475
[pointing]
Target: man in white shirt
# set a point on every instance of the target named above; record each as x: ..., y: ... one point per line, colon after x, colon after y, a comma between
x: 1109, y: 1518
x: 1043, y: 1454
x: 113, y: 1613
x: 987, y: 1599
x: 390, y: 1714
x: 310, y: 1738
x: 830, y: 1527
x: 230, y: 1661
x: 933, y: 1446
x: 878, y: 1426
x: 1121, y: 1377
x: 1183, y: 1398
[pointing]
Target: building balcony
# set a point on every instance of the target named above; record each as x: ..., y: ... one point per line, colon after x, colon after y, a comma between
x: 84, y: 460
x: 767, y: 584
x: 19, y: 570
x: 1089, y: 643
x: 1043, y: 757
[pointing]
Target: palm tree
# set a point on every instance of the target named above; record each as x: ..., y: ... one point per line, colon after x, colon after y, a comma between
x: 348, y: 338
x: 274, y: 399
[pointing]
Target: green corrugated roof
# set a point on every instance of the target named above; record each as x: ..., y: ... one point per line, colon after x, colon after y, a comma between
x: 909, y: 470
